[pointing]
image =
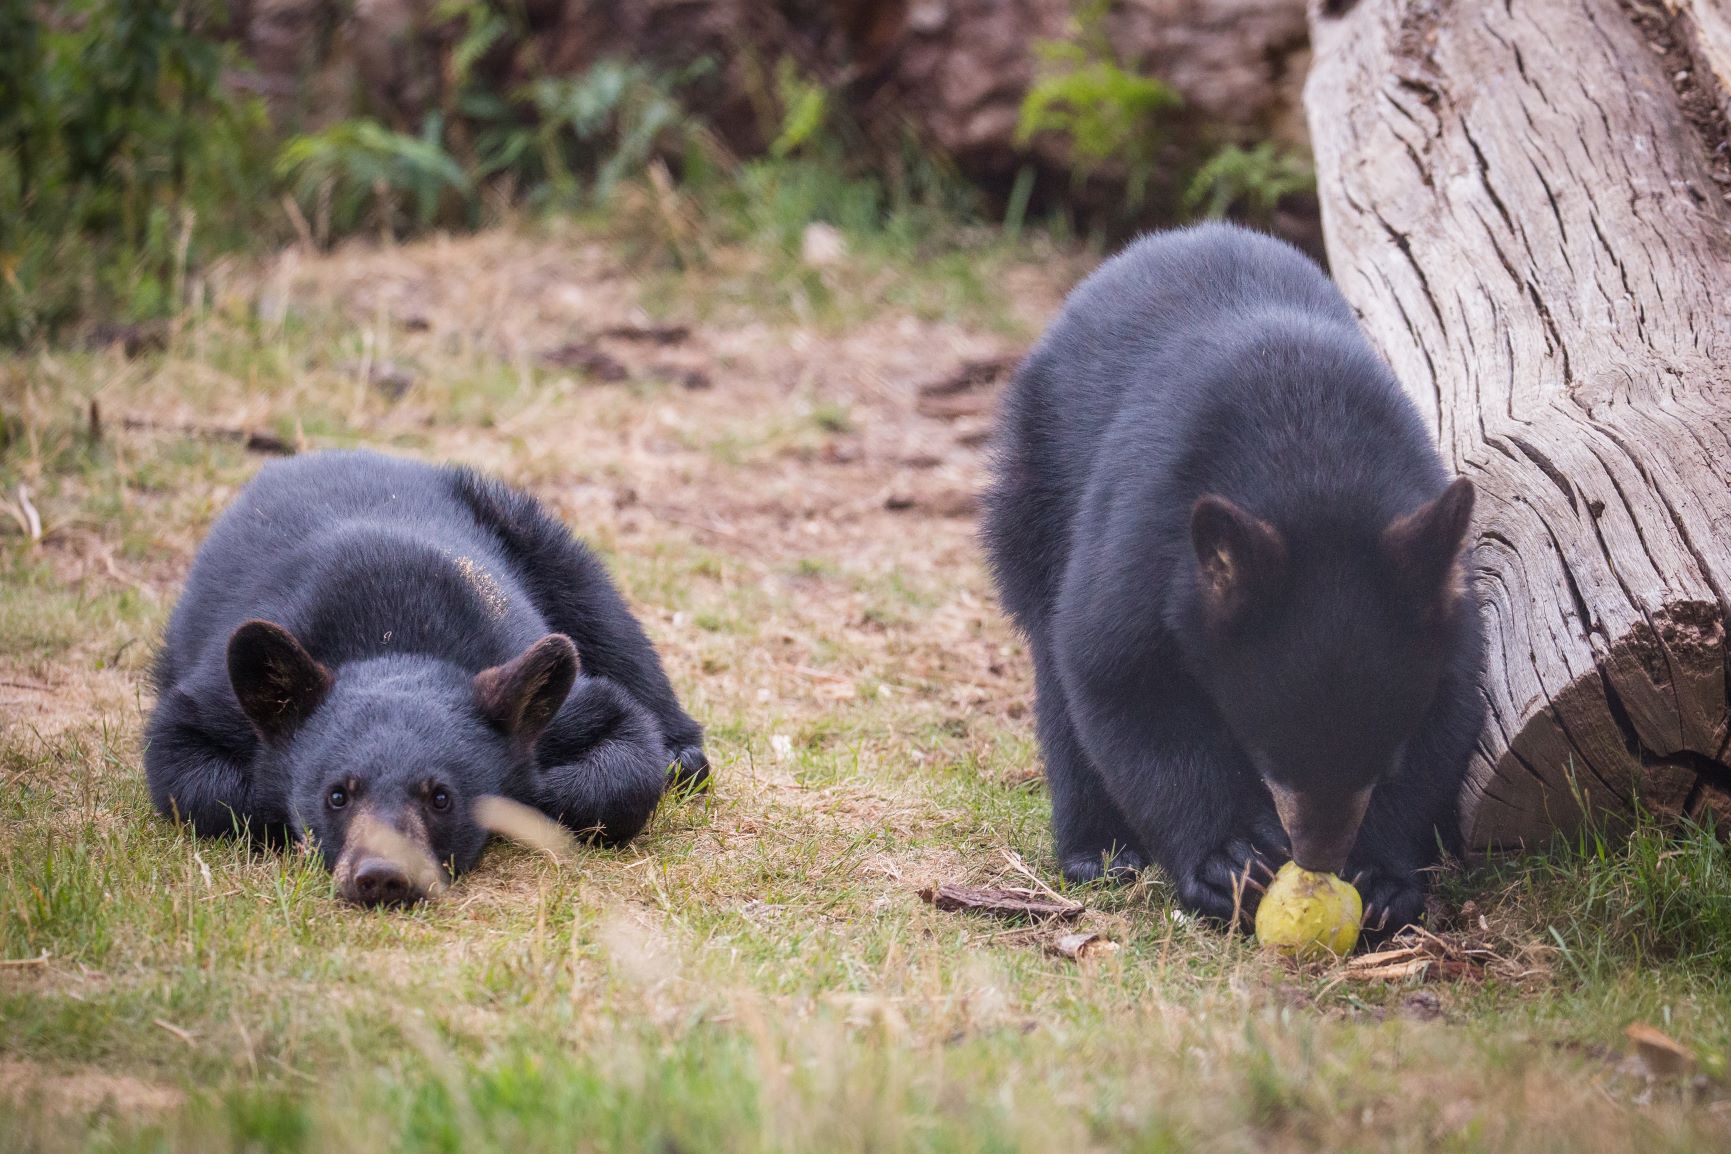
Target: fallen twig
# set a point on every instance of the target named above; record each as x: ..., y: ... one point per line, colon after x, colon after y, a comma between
x: 1003, y: 903
x: 970, y: 375
x: 587, y: 358
x: 26, y: 515
x: 652, y: 334
x: 183, y: 1034
x: 19, y: 963
x: 1418, y: 953
x: 1020, y: 867
x: 252, y: 440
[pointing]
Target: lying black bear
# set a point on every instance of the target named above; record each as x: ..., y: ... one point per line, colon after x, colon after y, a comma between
x: 367, y: 645
x: 1237, y: 559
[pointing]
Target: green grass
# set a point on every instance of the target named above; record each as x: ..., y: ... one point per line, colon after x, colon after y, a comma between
x: 757, y: 972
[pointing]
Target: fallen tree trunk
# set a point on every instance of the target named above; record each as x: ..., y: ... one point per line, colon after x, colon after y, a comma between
x: 1526, y: 201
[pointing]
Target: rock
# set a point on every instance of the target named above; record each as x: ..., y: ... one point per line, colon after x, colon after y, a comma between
x: 822, y: 246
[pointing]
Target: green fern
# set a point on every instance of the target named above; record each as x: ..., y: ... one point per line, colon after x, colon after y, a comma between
x: 1249, y: 182
x: 357, y: 162
x: 1106, y: 113
x: 805, y: 107
x: 124, y: 161
x: 601, y: 126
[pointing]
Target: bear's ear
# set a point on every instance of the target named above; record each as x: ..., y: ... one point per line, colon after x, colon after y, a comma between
x: 276, y: 681
x: 1425, y: 547
x: 1240, y: 558
x: 522, y: 696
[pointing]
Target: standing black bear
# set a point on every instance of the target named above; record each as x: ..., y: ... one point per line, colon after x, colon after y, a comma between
x: 1237, y: 558
x: 368, y: 644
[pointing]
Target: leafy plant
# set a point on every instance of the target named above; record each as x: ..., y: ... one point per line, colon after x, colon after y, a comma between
x: 338, y: 171
x: 805, y: 107
x: 481, y: 26
x: 21, y: 95
x: 122, y: 158
x: 604, y: 124
x: 1247, y: 181
x: 879, y: 182
x: 1108, y: 114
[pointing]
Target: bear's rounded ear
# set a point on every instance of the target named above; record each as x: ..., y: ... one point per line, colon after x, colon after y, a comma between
x: 522, y: 696
x: 276, y: 681
x: 1425, y: 547
x: 1240, y: 558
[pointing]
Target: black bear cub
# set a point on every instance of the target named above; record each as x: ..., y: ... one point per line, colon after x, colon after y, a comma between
x: 366, y: 646
x: 1238, y: 562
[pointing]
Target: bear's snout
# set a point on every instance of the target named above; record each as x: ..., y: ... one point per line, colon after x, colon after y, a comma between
x: 381, y: 865
x: 378, y: 881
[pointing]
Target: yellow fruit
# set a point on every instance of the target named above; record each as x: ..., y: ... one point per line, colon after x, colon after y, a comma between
x: 1307, y: 915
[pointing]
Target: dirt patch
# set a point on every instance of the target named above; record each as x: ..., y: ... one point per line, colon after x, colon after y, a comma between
x: 49, y: 698
x: 80, y: 1092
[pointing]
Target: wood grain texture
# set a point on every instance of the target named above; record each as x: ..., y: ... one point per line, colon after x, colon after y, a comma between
x: 1525, y: 200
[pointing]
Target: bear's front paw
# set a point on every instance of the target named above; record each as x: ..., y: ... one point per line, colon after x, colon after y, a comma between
x: 1228, y: 880
x: 1119, y: 868
x: 1393, y: 899
x: 688, y: 769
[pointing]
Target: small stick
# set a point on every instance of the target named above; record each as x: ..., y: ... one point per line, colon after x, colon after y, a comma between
x: 254, y: 441
x: 39, y: 960
x: 702, y: 527
x: 32, y: 519
x: 184, y: 1035
x: 298, y: 219
x: 1015, y: 862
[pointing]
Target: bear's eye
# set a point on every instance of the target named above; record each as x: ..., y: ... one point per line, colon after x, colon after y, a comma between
x: 440, y: 798
x: 338, y: 797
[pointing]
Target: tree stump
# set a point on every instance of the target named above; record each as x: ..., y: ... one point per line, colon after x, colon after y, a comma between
x: 1526, y: 202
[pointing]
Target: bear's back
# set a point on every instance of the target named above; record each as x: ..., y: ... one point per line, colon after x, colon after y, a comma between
x: 1140, y: 380
x: 341, y: 546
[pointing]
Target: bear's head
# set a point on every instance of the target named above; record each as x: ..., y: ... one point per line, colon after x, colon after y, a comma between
x: 387, y: 757
x: 1322, y: 645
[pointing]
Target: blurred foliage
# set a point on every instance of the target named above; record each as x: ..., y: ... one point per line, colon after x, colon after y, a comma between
x: 122, y: 159
x: 595, y: 129
x: 805, y: 107
x: 1109, y: 115
x: 1247, y: 182
x: 823, y: 168
x: 553, y: 141
x: 127, y: 165
x: 556, y: 140
x: 343, y: 169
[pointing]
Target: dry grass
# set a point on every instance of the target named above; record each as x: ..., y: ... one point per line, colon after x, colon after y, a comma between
x: 758, y: 971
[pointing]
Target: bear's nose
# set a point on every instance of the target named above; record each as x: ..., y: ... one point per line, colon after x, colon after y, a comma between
x: 379, y: 881
x: 1321, y: 826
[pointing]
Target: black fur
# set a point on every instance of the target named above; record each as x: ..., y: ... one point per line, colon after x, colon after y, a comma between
x: 393, y: 629
x: 1235, y: 554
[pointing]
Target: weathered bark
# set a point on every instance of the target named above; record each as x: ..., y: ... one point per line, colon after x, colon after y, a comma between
x: 1526, y: 202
